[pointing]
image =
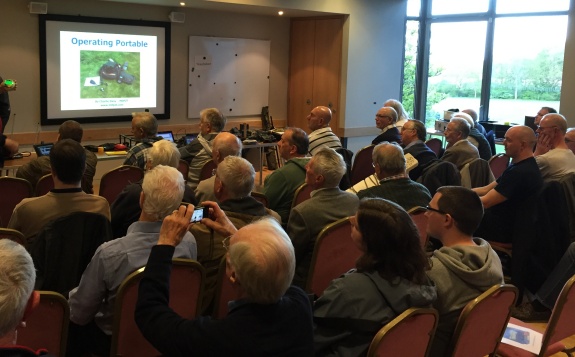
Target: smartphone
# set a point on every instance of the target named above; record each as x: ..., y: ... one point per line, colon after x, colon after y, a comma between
x: 199, y: 213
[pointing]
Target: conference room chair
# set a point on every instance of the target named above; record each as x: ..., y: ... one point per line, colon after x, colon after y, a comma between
x: 435, y: 145
x: 409, y: 334
x: 44, y: 185
x: 302, y: 193
x: 347, y: 156
x: 47, y: 325
x: 207, y: 170
x: 498, y: 163
x: 482, y: 322
x: 476, y: 173
x: 260, y: 197
x: 186, y: 289
x: 362, y: 165
x: 115, y: 180
x: 568, y: 184
x: 63, y: 248
x: 184, y: 167
x: 334, y: 254
x: 12, y: 190
x: 559, y: 327
x: 418, y: 216
x: 225, y: 293
x: 12, y: 234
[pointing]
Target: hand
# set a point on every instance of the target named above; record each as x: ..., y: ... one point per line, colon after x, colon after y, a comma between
x: 544, y: 144
x: 218, y: 221
x: 176, y: 225
x: 4, y: 88
x: 11, y: 146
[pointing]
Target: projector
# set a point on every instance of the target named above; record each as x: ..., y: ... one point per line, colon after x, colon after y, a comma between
x: 440, y: 125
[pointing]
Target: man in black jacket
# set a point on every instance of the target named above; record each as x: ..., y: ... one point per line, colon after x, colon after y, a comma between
x: 413, y: 135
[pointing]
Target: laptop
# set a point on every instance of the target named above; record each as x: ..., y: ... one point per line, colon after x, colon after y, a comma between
x: 167, y: 135
x: 191, y: 137
x: 43, y: 149
x: 530, y: 122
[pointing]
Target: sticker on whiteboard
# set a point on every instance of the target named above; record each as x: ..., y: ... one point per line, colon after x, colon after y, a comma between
x: 203, y: 62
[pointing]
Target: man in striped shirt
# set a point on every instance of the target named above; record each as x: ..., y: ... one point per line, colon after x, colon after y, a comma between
x: 321, y: 135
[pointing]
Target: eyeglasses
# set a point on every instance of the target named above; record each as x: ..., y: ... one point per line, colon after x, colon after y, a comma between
x: 434, y: 210
x: 226, y: 243
x: 404, y: 129
x: 382, y: 116
x: 539, y: 127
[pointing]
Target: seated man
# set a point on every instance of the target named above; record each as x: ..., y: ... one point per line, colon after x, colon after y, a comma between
x: 503, y: 197
x: 224, y: 145
x: 280, y: 185
x: 144, y: 129
x: 413, y: 135
x: 465, y: 266
x: 234, y: 182
x: 473, y: 114
x: 17, y: 296
x: 92, y: 302
x: 270, y: 319
x: 68, y: 161
x: 199, y: 151
x: 570, y: 139
x: 402, y: 116
x: 475, y: 137
x: 541, y: 113
x: 394, y: 184
x: 459, y: 150
x: 33, y: 170
x: 126, y: 208
x: 321, y: 136
x: 385, y: 120
x: 327, y: 204
x: 553, y: 157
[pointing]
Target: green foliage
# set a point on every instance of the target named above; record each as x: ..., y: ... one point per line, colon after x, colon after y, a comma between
x: 90, y: 63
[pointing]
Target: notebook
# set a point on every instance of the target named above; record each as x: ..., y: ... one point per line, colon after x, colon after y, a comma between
x: 43, y: 149
x: 167, y: 135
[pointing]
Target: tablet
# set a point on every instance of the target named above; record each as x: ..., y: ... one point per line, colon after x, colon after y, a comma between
x: 43, y: 149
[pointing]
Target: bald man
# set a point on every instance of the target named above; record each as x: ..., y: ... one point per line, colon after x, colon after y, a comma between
x: 520, y: 180
x: 385, y: 120
x: 225, y: 144
x: 321, y: 136
x: 570, y: 139
x: 553, y: 157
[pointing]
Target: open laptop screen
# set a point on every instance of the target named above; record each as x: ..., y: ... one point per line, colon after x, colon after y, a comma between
x: 167, y: 135
x: 43, y: 149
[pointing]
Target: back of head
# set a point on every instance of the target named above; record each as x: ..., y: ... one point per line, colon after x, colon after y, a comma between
x: 462, y: 126
x: 71, y: 129
x: 464, y: 206
x: 419, y: 129
x: 465, y: 116
x: 389, y: 157
x: 68, y: 161
x: 238, y: 176
x: 147, y: 122
x: 391, y: 241
x: 264, y: 260
x: 330, y: 165
x: 550, y: 110
x: 163, y: 189
x: 399, y: 109
x: 472, y: 113
x: 391, y: 112
x: 299, y: 139
x: 17, y: 277
x: 216, y: 119
x: 555, y: 119
x: 227, y: 144
x: 163, y: 152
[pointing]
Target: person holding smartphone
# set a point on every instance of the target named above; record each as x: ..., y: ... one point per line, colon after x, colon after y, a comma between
x: 5, y: 87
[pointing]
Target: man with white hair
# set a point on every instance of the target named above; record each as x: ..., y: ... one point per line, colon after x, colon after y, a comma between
x: 233, y: 184
x: 225, y: 144
x: 475, y: 137
x: 553, y: 157
x: 144, y: 129
x: 269, y: 319
x: 385, y: 120
x: 92, y: 302
x: 126, y: 208
x: 17, y: 296
x: 327, y: 204
x: 459, y: 150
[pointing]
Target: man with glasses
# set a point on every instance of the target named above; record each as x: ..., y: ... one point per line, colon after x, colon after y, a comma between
x: 553, y: 157
x: 385, y: 120
x: 271, y: 318
x: 413, y: 135
x: 394, y: 184
x: 465, y: 266
x: 199, y: 151
x: 503, y: 197
x: 459, y: 150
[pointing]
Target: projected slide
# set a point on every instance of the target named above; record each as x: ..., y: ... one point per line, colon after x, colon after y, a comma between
x: 100, y: 71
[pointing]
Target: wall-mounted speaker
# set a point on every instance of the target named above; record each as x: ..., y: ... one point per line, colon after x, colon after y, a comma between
x: 38, y: 8
x: 177, y: 17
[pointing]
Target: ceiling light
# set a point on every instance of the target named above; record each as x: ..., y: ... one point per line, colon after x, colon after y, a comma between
x: 280, y: 13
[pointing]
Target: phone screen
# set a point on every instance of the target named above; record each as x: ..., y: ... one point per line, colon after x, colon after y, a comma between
x: 198, y: 214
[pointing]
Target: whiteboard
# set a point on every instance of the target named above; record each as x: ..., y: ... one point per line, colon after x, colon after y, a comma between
x: 230, y: 74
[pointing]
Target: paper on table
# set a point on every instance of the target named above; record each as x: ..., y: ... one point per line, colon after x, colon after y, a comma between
x: 522, y: 337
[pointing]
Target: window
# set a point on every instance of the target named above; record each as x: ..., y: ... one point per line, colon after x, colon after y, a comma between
x: 503, y: 58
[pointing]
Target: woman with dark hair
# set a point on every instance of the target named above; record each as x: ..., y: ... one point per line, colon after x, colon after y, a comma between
x: 390, y: 278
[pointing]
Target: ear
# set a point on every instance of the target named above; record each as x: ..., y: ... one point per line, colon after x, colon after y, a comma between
x: 33, y: 302
x: 319, y: 180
